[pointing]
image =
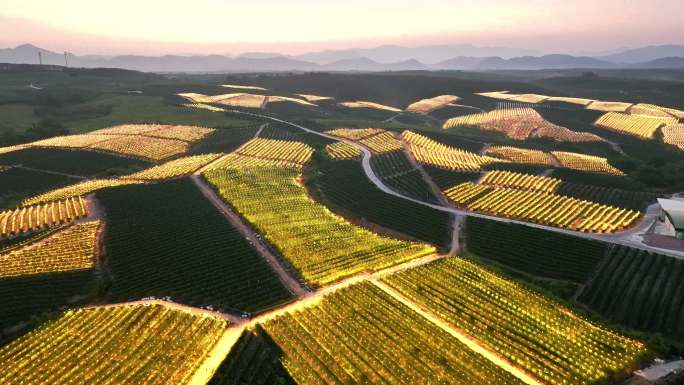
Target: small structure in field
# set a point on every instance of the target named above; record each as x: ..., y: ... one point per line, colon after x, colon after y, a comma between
x: 672, y: 215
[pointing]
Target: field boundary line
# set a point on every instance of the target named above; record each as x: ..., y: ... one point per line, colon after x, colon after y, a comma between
x: 81, y: 177
x: 284, y: 276
x: 470, y: 342
x: 215, y: 357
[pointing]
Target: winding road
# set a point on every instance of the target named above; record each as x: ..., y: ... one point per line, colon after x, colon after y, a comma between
x: 626, y: 238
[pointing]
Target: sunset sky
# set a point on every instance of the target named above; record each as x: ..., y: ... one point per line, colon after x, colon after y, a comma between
x: 295, y: 26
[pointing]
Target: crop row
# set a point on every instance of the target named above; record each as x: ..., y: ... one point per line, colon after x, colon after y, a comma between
x: 361, y: 335
x: 548, y: 209
x: 342, y: 151
x: 644, y: 127
x: 433, y: 153
x: 320, y: 245
x: 31, y: 218
x: 531, y: 331
x: 151, y: 344
x: 639, y: 289
x: 520, y: 181
x: 167, y: 239
x: 67, y: 250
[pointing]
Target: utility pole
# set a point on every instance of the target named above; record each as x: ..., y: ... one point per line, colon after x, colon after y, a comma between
x: 40, y: 58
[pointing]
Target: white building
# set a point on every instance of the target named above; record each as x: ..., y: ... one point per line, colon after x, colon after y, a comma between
x: 672, y: 214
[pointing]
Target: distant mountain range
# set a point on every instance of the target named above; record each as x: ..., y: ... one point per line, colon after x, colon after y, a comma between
x: 384, y: 58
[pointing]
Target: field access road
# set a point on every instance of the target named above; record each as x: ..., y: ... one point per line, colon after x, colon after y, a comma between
x: 625, y: 238
x: 285, y: 277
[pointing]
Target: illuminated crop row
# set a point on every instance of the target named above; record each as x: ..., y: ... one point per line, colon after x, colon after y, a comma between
x: 361, y: 335
x: 75, y: 190
x: 342, y: 151
x: 520, y: 181
x: 543, y: 208
x: 644, y: 127
x: 174, y: 168
x: 73, y: 141
x: 431, y: 152
x: 425, y: 106
x: 320, y: 245
x: 532, y: 332
x: 649, y: 110
x: 234, y: 100
x: 371, y: 105
x: 609, y: 106
x: 4, y: 150
x: 129, y: 129
x: 674, y: 135
x: 584, y: 162
x: 30, y: 218
x: 202, y: 106
x: 278, y: 150
x: 354, y: 133
x: 155, y: 149
x: 519, y: 124
x: 70, y: 249
x: 520, y: 155
x: 382, y: 143
x: 130, y: 344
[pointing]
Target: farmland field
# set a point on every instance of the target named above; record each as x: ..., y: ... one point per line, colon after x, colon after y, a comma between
x: 527, y: 249
x: 344, y: 184
x: 382, y: 342
x: 300, y: 227
x: 639, y: 289
x: 568, y: 349
x: 326, y: 248
x: 151, y: 333
x: 188, y: 250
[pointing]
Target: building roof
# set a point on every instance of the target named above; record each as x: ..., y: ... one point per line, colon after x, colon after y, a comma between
x: 674, y: 208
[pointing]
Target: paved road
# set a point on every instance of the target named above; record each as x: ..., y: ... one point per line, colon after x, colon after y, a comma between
x: 626, y: 238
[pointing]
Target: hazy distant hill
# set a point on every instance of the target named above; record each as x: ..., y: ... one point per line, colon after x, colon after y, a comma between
x: 263, y: 62
x: 646, y: 54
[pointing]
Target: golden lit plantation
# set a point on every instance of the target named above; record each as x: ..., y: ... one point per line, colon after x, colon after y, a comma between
x: 519, y: 124
x: 278, y: 150
x: 354, y: 133
x: 433, y: 153
x: 244, y: 100
x: 371, y: 105
x: 584, y: 162
x: 377, y: 140
x: 536, y: 334
x: 75, y: 190
x: 543, y: 208
x: 425, y: 106
x: 70, y: 249
x: 361, y: 335
x: 147, y: 141
x: 609, y: 106
x: 644, y: 127
x: 130, y: 344
x: 342, y: 151
x: 520, y: 155
x: 174, y: 168
x: 674, y: 135
x: 31, y: 218
x: 321, y: 246
x: 520, y: 181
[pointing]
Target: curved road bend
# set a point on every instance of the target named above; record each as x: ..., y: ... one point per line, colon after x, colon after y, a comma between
x: 623, y: 238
